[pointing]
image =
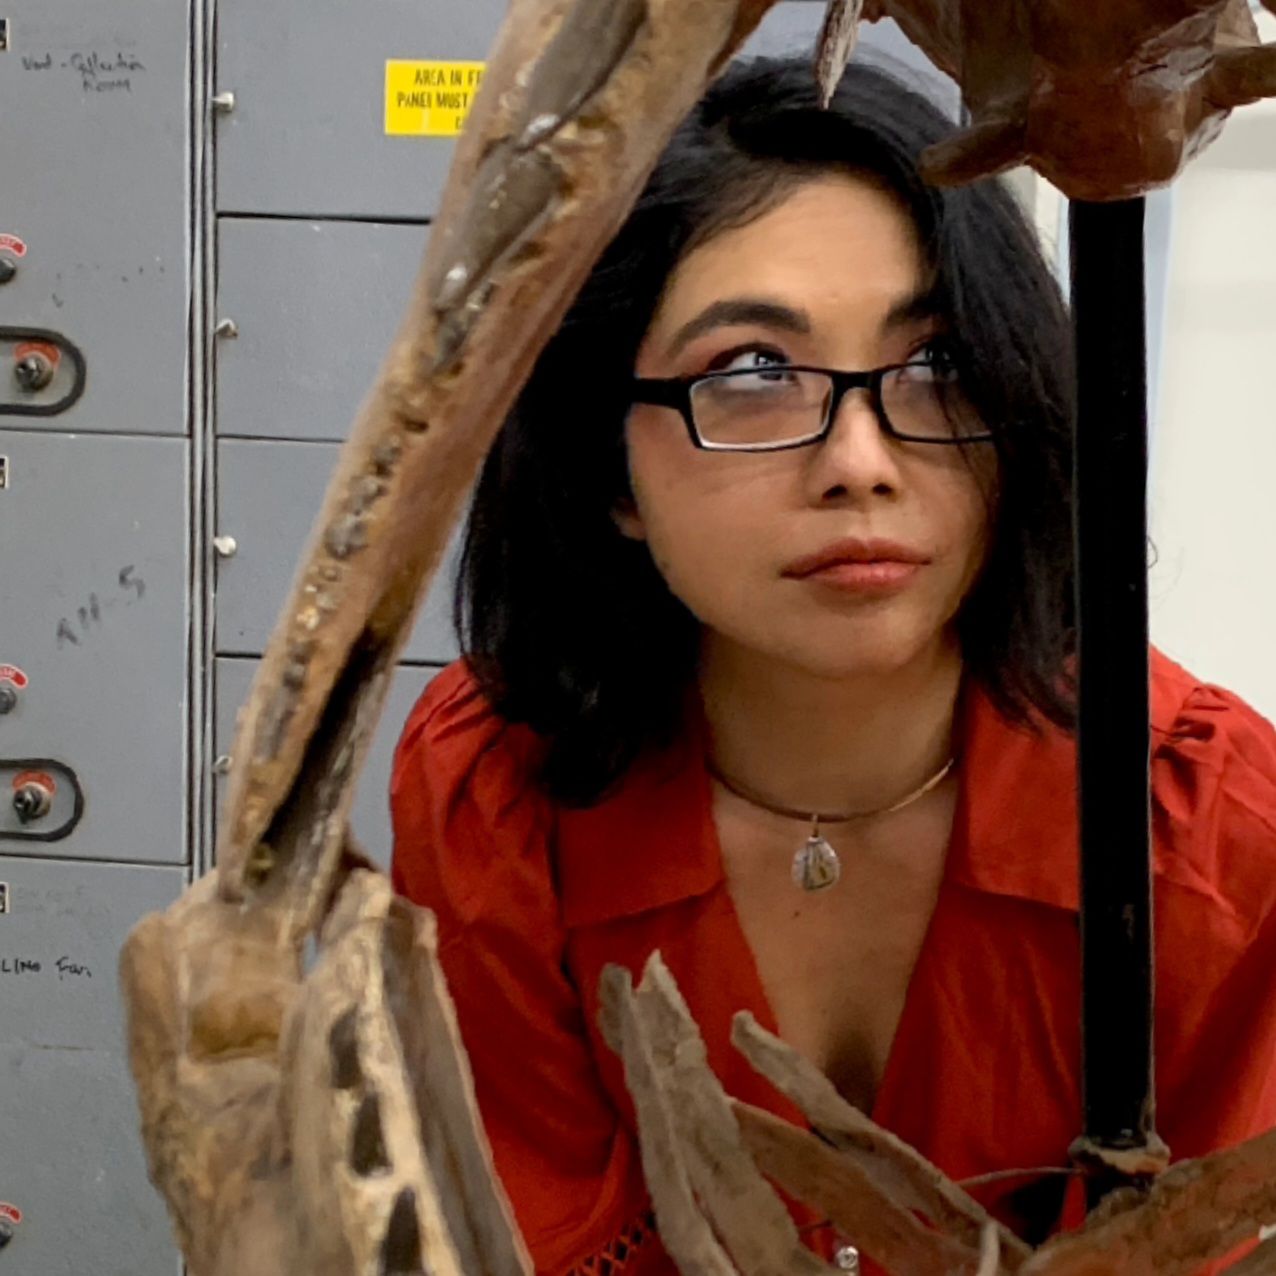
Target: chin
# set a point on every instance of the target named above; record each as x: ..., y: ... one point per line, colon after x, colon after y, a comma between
x: 864, y: 656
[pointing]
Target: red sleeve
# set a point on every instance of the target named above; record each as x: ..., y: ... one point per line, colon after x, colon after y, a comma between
x: 471, y: 839
x: 1214, y: 802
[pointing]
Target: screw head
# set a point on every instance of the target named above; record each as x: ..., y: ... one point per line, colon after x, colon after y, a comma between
x: 847, y: 1258
x: 33, y: 372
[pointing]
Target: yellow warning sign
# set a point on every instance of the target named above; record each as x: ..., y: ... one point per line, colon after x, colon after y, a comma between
x: 429, y: 99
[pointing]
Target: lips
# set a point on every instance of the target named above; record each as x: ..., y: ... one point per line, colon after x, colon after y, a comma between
x: 852, y: 552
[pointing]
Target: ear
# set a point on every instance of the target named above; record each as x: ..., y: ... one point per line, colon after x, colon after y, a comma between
x: 627, y: 519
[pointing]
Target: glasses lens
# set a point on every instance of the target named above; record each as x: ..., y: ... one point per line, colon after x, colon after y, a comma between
x: 924, y: 401
x: 759, y: 407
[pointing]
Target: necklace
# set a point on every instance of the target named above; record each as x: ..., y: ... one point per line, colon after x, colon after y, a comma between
x: 816, y: 865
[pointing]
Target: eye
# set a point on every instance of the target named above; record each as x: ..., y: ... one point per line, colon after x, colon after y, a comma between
x: 747, y: 359
x: 936, y: 353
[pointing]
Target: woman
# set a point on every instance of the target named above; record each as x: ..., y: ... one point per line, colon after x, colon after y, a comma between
x: 767, y: 605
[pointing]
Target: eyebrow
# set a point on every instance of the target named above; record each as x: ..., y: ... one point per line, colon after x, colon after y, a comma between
x: 731, y: 310
x: 774, y: 314
x: 922, y: 304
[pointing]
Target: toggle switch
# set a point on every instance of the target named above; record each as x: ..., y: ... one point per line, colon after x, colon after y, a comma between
x: 33, y: 371
x: 8, y: 698
x: 33, y: 796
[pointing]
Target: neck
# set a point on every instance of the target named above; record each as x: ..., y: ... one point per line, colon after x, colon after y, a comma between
x: 825, y: 744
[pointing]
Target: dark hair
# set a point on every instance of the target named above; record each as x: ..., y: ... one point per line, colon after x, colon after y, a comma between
x: 568, y: 625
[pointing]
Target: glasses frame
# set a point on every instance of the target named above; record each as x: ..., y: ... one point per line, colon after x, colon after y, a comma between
x: 675, y: 392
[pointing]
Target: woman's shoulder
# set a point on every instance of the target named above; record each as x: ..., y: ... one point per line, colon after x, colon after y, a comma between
x: 468, y: 813
x: 455, y: 724
x: 1214, y: 789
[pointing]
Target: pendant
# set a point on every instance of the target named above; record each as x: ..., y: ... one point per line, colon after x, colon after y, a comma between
x: 816, y: 866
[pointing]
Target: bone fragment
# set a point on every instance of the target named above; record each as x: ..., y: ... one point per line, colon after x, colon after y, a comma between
x: 684, y: 1230
x: 806, y: 1167
x: 1195, y: 1211
x: 836, y: 44
x: 989, y: 1251
x: 1106, y: 102
x: 327, y: 1139
x: 897, y: 1170
x: 753, y: 1224
x: 1259, y: 1262
x: 564, y: 131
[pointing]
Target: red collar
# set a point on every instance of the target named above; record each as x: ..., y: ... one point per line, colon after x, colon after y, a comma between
x: 652, y: 843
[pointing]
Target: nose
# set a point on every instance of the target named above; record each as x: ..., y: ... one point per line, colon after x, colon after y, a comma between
x: 858, y: 460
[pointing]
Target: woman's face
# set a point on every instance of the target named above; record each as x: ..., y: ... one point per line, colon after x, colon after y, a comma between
x: 825, y: 279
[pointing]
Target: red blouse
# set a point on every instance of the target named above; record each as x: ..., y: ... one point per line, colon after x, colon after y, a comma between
x: 534, y: 899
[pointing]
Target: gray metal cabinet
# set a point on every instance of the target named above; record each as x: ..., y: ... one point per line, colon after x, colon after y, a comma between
x: 370, y: 816
x: 314, y: 306
x: 93, y: 615
x: 93, y: 216
x: 268, y: 496
x: 71, y: 1160
x: 307, y: 135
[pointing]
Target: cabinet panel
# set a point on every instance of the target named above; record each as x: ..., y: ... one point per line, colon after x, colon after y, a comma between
x: 315, y: 305
x: 93, y: 596
x: 307, y: 136
x: 93, y: 220
x: 268, y: 495
x: 71, y: 1159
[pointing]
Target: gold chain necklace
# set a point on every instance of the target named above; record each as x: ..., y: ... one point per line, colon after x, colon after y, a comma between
x: 816, y: 865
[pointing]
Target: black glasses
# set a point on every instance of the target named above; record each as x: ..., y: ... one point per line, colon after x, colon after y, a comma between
x: 778, y: 405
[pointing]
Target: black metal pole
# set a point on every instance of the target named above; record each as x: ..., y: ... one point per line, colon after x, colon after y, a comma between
x: 1110, y: 502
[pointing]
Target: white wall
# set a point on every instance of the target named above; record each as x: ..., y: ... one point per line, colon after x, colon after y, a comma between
x: 1213, y: 480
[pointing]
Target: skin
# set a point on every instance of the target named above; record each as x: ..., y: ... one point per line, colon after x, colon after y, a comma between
x: 817, y: 698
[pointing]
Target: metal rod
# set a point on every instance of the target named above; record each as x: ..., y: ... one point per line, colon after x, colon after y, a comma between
x: 1108, y: 308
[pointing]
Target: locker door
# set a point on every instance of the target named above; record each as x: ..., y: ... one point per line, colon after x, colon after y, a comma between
x: 93, y: 218
x: 315, y: 305
x: 370, y: 818
x: 93, y: 645
x: 268, y: 495
x: 307, y: 136
x: 71, y: 1160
